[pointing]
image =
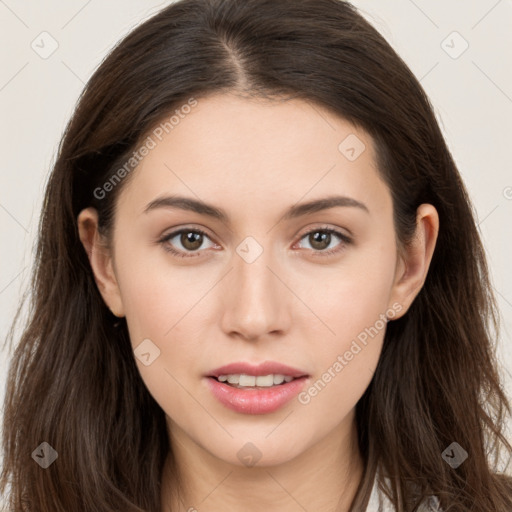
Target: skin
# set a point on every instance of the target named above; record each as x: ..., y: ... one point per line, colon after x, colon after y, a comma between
x: 255, y: 159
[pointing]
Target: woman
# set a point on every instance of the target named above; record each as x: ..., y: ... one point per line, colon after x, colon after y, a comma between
x: 259, y: 283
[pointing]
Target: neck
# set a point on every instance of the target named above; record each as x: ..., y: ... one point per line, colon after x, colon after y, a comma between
x: 323, y: 477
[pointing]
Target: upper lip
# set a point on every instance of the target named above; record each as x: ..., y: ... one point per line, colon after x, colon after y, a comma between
x: 265, y: 368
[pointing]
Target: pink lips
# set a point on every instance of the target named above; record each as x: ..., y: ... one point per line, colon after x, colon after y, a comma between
x: 265, y: 368
x: 251, y: 400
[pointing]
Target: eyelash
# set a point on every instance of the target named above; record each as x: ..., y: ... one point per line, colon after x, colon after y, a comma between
x: 344, y: 239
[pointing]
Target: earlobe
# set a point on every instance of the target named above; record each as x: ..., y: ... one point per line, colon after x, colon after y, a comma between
x: 100, y: 259
x: 414, y: 260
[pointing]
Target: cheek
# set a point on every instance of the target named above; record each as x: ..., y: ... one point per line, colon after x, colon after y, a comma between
x: 352, y: 303
x: 153, y: 293
x: 162, y: 310
x: 354, y: 296
x: 334, y: 392
x: 166, y: 305
x: 151, y: 308
x: 348, y: 352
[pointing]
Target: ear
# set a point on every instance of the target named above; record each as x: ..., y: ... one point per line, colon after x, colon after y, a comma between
x: 414, y: 260
x: 100, y: 258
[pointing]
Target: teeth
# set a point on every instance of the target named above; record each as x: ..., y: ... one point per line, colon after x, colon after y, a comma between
x: 233, y: 379
x: 278, y: 379
x: 247, y: 380
x: 264, y: 381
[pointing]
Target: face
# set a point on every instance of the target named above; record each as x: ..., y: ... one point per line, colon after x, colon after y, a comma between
x: 264, y: 281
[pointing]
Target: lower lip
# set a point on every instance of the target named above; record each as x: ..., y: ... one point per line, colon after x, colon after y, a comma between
x: 255, y: 401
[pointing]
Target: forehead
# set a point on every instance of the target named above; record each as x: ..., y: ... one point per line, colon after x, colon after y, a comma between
x: 232, y: 150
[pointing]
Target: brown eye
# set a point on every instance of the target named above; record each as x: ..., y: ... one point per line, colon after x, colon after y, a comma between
x: 320, y: 241
x: 190, y: 240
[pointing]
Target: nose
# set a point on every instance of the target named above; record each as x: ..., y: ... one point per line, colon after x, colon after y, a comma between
x: 254, y: 298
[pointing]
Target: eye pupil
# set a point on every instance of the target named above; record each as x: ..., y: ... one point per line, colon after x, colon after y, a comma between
x: 189, y: 237
x: 192, y: 240
x: 319, y: 238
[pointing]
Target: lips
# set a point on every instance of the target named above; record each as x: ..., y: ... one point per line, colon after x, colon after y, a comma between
x: 265, y: 368
x: 255, y: 400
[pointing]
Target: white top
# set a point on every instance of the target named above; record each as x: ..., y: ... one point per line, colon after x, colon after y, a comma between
x: 379, y: 502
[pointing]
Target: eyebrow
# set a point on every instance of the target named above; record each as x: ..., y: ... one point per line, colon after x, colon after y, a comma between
x: 297, y: 210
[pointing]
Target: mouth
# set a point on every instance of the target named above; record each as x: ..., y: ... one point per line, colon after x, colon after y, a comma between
x: 244, y: 375
x: 245, y: 381
x: 245, y: 399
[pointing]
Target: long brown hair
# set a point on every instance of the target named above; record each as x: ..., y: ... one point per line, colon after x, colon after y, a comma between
x: 73, y: 382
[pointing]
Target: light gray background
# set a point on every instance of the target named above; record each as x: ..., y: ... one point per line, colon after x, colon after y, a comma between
x: 472, y: 95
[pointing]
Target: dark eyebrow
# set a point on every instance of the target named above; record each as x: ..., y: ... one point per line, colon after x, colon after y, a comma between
x: 325, y: 203
x: 297, y: 210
